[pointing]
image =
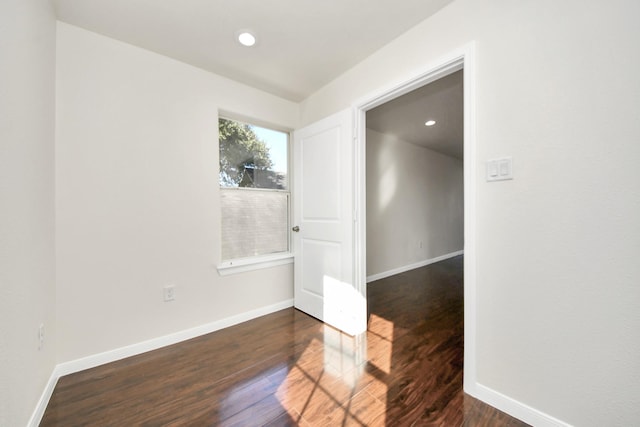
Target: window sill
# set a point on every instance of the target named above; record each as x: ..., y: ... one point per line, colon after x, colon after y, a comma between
x: 242, y: 265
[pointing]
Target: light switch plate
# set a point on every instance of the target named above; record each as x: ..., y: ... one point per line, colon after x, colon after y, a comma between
x: 500, y: 169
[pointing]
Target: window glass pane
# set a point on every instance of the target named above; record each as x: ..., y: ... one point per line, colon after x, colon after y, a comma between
x: 254, y: 222
x: 253, y: 190
x: 252, y: 156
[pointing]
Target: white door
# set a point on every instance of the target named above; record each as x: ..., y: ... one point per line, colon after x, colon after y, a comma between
x: 323, y: 212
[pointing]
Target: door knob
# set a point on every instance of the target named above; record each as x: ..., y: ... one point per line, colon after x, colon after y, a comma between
x: 296, y: 228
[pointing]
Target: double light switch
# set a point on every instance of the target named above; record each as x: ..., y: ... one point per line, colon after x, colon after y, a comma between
x: 499, y: 169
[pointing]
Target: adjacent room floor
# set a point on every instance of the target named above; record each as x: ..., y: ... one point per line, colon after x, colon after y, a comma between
x: 289, y: 369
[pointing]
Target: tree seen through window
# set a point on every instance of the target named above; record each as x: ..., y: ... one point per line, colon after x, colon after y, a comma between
x: 246, y: 159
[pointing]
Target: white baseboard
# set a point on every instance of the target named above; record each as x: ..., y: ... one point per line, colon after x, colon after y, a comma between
x: 497, y: 400
x: 402, y: 269
x: 37, y: 414
x: 92, y: 361
x: 515, y: 408
x: 155, y: 343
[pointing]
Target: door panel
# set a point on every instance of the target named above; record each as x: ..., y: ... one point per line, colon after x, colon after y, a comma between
x: 321, y: 176
x: 323, y: 210
x: 320, y: 258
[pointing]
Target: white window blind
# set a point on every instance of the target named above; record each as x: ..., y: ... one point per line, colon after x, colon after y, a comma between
x: 254, y: 222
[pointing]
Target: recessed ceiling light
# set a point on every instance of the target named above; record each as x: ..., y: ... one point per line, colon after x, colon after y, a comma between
x: 246, y: 38
x: 430, y: 123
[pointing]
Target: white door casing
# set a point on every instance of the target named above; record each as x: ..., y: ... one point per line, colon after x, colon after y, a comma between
x: 460, y: 58
x: 323, y: 210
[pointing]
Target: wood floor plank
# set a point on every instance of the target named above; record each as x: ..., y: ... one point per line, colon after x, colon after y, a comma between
x: 287, y: 369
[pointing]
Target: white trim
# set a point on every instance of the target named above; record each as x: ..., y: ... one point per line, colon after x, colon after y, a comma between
x: 38, y: 412
x: 242, y: 265
x: 461, y: 58
x: 448, y: 64
x: 142, y: 347
x: 249, y: 120
x: 470, y: 184
x: 413, y: 266
x: 504, y: 403
x: 92, y: 361
x: 517, y: 409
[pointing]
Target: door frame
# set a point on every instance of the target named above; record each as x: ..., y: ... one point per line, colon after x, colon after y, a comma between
x: 461, y: 58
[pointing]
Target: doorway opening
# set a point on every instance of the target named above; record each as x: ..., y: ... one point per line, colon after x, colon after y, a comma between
x: 414, y: 184
x: 462, y: 62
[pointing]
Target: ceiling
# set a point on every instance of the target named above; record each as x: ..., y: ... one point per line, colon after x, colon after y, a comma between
x: 405, y: 116
x: 302, y: 44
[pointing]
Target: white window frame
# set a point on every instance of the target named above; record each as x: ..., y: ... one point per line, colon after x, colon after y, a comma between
x: 241, y: 265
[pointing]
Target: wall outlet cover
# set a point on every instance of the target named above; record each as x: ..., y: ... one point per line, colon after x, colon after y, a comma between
x: 169, y: 293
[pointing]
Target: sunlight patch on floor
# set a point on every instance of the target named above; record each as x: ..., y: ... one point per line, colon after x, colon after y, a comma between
x: 381, y: 337
x: 330, y: 385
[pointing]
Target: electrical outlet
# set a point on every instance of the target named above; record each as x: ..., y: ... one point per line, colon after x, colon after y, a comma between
x: 169, y: 293
x: 40, y: 336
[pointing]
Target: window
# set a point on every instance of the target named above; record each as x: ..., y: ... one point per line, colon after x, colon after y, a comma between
x: 254, y: 190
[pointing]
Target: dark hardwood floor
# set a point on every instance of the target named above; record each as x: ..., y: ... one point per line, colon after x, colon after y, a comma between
x: 289, y: 369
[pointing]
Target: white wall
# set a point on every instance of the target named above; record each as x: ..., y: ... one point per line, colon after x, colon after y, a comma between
x: 27, y: 262
x: 557, y: 269
x: 137, y: 195
x: 413, y: 195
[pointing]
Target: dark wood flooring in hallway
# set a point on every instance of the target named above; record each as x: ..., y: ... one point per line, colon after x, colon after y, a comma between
x: 287, y: 369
